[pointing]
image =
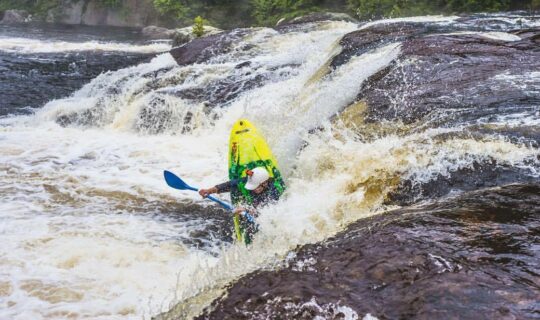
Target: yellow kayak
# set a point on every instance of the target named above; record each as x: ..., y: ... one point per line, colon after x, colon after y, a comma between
x: 247, y: 150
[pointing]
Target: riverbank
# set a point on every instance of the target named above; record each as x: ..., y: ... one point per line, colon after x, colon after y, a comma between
x: 230, y: 14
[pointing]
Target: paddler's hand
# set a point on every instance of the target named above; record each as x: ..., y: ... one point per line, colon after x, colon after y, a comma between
x: 239, y: 211
x: 206, y: 192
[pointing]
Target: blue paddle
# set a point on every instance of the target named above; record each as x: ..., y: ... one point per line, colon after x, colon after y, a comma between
x: 175, y: 182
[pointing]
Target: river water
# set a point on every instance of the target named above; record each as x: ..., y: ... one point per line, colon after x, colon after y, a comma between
x: 90, y: 119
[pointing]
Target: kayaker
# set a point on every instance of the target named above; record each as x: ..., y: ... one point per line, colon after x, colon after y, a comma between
x: 259, y: 185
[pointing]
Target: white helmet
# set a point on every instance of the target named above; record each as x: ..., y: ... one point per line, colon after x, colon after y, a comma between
x: 256, y: 177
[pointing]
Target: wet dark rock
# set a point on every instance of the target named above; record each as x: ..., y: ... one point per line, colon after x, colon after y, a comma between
x: 180, y: 38
x: 317, y: 17
x: 223, y: 91
x: 532, y: 34
x: 487, y: 22
x: 53, y: 76
x: 363, y: 40
x: 438, y: 75
x: 490, y: 23
x: 367, y: 38
x: 471, y: 257
x: 201, y: 49
x: 243, y: 65
x: 478, y: 176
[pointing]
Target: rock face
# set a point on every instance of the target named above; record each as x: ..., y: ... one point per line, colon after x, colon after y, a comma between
x: 68, y: 13
x: 15, y: 16
x: 131, y: 13
x: 472, y: 257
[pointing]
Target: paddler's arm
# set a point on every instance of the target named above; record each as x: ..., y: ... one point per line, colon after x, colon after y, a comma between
x: 220, y: 188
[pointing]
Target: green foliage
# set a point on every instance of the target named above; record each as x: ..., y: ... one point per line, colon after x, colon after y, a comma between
x: 171, y: 7
x: 369, y: 9
x: 268, y: 12
x: 476, y: 6
x: 198, y: 26
x: 111, y: 3
x: 40, y: 7
x: 12, y: 4
x: 36, y: 7
x: 234, y: 13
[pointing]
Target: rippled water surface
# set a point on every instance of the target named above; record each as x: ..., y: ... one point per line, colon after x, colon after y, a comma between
x: 42, y: 63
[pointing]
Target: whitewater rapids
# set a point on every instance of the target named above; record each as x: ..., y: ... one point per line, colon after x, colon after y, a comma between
x: 90, y: 229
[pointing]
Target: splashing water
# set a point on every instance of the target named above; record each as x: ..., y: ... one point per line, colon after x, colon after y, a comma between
x: 23, y: 45
x: 93, y: 231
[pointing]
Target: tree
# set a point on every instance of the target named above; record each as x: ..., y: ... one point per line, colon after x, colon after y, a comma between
x: 173, y: 7
x: 369, y: 9
x: 268, y: 12
x: 198, y: 26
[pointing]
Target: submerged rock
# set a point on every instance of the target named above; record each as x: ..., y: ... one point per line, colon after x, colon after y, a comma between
x: 201, y: 49
x: 471, y: 257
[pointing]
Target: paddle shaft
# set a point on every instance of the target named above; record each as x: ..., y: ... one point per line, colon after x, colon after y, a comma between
x: 175, y: 182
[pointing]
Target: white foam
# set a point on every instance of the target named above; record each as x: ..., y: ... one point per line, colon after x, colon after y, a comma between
x: 419, y: 19
x: 84, y: 238
x: 83, y: 190
x: 26, y: 46
x: 74, y: 186
x: 520, y: 21
x: 501, y: 36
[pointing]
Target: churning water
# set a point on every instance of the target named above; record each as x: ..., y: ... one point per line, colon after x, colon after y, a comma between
x: 88, y: 227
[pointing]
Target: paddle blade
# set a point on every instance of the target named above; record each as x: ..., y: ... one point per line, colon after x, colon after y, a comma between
x: 175, y: 182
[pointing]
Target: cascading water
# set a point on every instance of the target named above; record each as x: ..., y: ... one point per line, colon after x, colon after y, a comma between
x: 91, y: 230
